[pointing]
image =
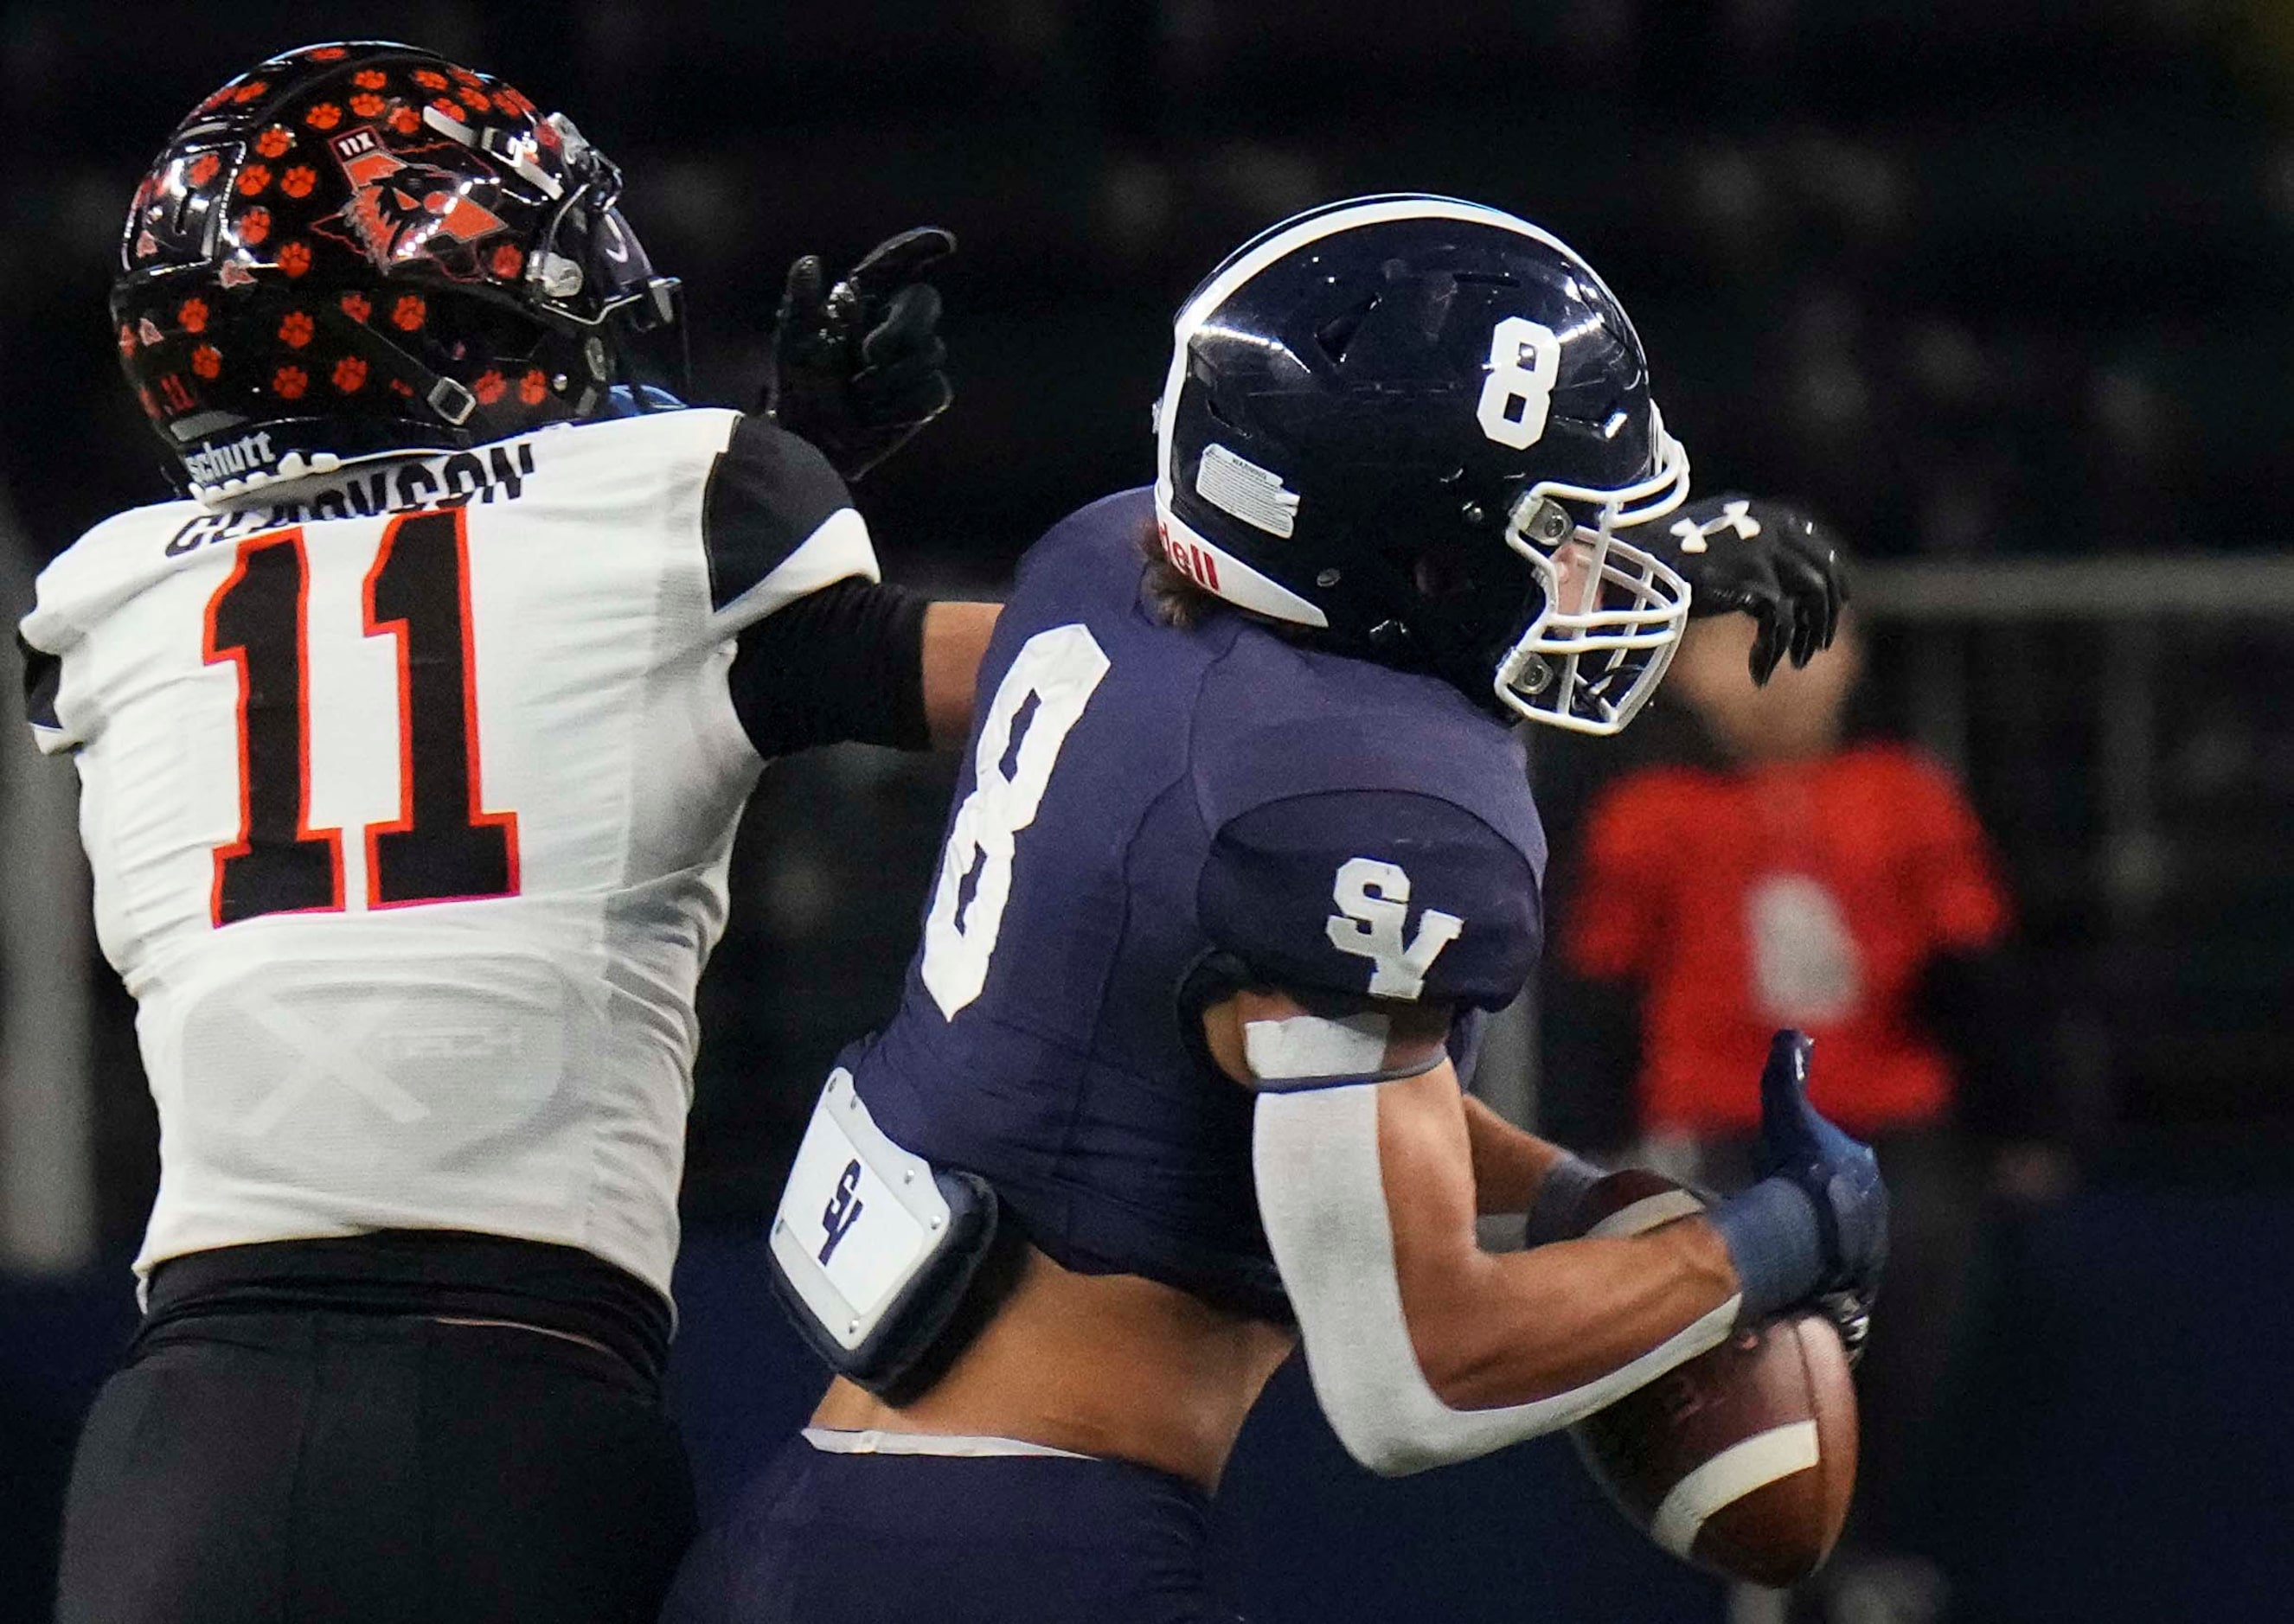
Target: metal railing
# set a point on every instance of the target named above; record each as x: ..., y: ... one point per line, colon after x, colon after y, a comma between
x: 2129, y: 602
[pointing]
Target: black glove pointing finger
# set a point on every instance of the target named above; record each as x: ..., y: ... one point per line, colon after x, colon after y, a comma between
x: 859, y: 366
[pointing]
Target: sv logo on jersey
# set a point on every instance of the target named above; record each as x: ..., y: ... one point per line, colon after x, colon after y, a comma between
x: 844, y: 1210
x: 1373, y: 900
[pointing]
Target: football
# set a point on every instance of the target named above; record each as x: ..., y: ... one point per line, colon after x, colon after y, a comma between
x: 1742, y: 1460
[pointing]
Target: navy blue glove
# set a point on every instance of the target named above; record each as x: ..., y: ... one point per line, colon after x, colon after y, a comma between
x: 1817, y: 1223
x: 859, y: 367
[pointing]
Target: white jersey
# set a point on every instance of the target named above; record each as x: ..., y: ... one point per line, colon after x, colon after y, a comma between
x: 409, y: 795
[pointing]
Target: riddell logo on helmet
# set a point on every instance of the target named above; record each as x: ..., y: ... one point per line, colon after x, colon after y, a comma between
x: 219, y: 463
x: 1193, y: 562
x: 400, y: 210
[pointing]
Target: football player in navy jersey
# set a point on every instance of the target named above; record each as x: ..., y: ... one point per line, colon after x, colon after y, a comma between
x: 1243, y: 851
x: 413, y: 740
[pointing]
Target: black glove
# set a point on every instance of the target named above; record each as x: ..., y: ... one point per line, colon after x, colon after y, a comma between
x: 859, y: 367
x: 1763, y: 559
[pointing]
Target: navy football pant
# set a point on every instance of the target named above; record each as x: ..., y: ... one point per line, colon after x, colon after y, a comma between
x: 934, y: 1539
x: 343, y: 1469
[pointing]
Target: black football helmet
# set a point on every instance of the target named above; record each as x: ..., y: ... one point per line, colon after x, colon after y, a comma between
x: 1422, y: 429
x: 359, y: 249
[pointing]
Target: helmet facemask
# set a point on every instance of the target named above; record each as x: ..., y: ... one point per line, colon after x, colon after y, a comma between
x: 1610, y: 613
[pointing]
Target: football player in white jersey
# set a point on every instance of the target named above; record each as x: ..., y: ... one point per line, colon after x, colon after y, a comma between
x: 411, y: 746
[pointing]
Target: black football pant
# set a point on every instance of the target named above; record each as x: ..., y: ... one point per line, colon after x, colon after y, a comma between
x: 343, y: 1468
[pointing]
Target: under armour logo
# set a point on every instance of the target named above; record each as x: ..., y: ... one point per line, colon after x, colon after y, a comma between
x: 1373, y: 900
x: 1734, y: 516
x: 844, y: 1208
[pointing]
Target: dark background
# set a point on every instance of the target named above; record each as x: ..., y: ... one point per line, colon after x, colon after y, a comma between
x: 1984, y: 281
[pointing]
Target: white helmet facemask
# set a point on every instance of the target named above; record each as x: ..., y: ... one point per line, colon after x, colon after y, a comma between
x: 1612, y: 613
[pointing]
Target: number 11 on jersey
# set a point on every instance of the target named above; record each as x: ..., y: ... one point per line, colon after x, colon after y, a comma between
x: 442, y: 847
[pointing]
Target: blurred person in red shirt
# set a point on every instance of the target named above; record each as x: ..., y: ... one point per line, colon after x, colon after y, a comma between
x: 1787, y: 874
x: 1806, y: 881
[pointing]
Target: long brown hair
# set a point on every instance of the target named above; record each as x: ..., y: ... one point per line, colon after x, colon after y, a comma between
x: 1172, y: 599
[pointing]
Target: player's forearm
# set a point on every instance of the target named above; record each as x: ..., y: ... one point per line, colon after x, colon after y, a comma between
x: 1493, y: 1330
x: 1509, y: 1164
x: 955, y: 636
x: 1424, y: 1349
x: 1496, y: 1330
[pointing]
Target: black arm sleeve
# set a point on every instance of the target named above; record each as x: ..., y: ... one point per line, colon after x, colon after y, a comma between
x: 845, y: 663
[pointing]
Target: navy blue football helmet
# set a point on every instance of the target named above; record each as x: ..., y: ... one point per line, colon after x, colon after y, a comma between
x: 1420, y: 429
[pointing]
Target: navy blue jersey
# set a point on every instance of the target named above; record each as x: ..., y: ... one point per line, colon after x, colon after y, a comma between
x: 1139, y: 799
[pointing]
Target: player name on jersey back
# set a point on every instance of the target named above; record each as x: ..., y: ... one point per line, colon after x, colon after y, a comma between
x: 487, y: 474
x: 409, y: 792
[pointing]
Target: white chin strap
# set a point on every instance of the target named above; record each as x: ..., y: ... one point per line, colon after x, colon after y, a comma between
x: 1602, y: 640
x: 1321, y: 1197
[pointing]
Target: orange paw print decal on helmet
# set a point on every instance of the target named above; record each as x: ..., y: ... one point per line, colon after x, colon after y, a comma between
x: 295, y: 258
x: 288, y: 383
x: 207, y: 361
x: 254, y: 90
x: 366, y: 104
x: 325, y: 116
x: 254, y: 226
x: 430, y: 79
x: 357, y: 306
x: 408, y: 312
x: 491, y: 387
x: 508, y: 260
x: 350, y: 375
x: 276, y: 141
x: 370, y: 78
x: 203, y: 169
x: 328, y: 53
x: 192, y: 317
x: 405, y: 120
x: 534, y: 388
x: 253, y: 179
x: 297, y: 181
x: 294, y: 330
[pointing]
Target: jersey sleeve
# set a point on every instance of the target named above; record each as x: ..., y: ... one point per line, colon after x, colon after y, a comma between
x: 776, y: 522
x: 57, y: 703
x: 42, y: 675
x: 1381, y: 892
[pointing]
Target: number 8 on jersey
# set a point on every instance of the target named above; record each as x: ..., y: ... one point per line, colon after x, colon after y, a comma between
x: 1042, y: 697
